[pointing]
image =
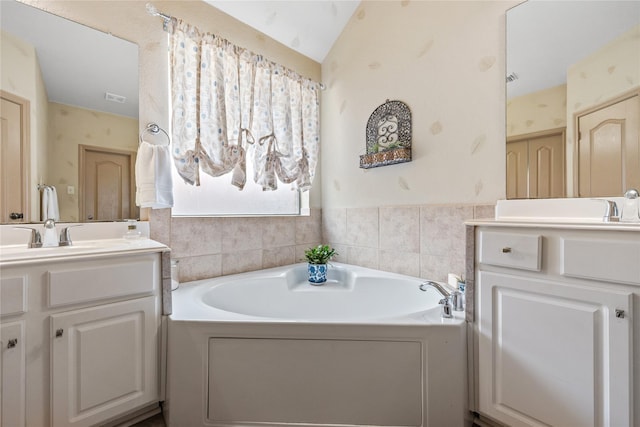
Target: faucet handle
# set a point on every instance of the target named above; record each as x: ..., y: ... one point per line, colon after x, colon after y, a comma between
x: 456, y: 301
x: 611, y: 213
x: 446, y: 308
x: 36, y: 237
x: 65, y: 235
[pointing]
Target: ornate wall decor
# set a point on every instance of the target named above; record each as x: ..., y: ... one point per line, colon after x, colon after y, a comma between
x: 388, y: 136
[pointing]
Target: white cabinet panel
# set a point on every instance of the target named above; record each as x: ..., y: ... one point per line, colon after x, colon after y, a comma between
x: 104, y: 361
x: 99, y: 282
x: 13, y: 295
x: 583, y: 258
x: 12, y: 375
x: 383, y: 389
x: 552, y: 353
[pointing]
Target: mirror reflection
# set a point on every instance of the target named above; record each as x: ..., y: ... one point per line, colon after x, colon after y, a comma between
x: 573, y: 99
x: 69, y: 119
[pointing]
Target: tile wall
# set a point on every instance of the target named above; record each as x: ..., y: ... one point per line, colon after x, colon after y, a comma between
x: 211, y: 247
x: 425, y: 241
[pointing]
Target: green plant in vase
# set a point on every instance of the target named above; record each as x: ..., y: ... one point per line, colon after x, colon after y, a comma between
x: 317, y: 259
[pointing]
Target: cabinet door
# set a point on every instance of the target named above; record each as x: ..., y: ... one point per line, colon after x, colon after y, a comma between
x: 104, y: 361
x: 553, y: 354
x: 12, y: 375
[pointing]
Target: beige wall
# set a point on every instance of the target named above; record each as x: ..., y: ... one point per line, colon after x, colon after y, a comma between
x: 538, y: 111
x: 21, y: 76
x: 205, y: 247
x: 445, y: 60
x: 71, y: 126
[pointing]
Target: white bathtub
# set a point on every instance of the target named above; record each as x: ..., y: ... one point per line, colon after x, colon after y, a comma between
x: 268, y: 348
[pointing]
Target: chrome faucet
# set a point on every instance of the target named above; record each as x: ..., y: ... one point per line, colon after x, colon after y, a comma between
x: 611, y: 213
x: 451, y: 301
x: 50, y: 237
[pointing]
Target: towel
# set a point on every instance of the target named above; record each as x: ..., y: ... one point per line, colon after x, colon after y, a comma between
x: 50, y: 208
x: 154, y: 187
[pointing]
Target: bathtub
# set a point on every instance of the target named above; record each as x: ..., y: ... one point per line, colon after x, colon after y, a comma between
x: 267, y: 348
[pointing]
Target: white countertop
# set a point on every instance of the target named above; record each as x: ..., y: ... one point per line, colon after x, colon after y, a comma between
x: 568, y: 213
x: 21, y: 254
x: 556, y: 223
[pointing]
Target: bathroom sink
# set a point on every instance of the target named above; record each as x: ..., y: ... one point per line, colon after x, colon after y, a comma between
x: 83, y: 247
x: 574, y: 211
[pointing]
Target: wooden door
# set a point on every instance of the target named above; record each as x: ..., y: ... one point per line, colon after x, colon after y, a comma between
x: 103, y: 361
x: 546, y: 167
x: 536, y: 165
x: 517, y: 174
x: 106, y: 184
x: 14, y: 159
x: 609, y: 149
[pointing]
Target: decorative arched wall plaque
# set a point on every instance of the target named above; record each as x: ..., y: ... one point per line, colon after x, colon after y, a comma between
x: 388, y: 136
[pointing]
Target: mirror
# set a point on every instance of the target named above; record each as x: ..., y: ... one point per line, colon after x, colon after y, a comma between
x: 82, y: 91
x: 565, y: 61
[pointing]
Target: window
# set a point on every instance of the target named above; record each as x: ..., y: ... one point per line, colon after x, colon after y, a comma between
x: 245, y: 130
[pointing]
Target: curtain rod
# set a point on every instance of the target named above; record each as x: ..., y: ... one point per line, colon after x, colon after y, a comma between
x: 153, y: 11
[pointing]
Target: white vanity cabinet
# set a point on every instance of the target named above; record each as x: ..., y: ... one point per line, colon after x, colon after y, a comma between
x: 12, y: 374
x: 89, y: 349
x: 13, y: 307
x: 557, y: 325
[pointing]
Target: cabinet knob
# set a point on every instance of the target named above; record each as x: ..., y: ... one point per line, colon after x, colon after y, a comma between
x: 619, y: 313
x: 12, y: 343
x: 506, y: 250
x: 59, y: 332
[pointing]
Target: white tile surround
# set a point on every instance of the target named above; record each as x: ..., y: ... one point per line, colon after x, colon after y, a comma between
x: 426, y: 241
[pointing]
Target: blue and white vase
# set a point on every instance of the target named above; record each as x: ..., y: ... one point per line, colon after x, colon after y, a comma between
x: 317, y: 273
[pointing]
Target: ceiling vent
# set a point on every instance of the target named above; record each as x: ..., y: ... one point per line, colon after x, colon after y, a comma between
x: 115, y: 98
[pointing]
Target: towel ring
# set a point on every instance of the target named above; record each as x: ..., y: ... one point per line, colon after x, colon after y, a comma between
x: 154, y: 129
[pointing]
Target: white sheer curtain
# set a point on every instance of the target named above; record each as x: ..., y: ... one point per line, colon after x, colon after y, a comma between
x: 231, y: 106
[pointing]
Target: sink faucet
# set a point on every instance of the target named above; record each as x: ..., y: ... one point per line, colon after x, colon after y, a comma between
x: 50, y: 237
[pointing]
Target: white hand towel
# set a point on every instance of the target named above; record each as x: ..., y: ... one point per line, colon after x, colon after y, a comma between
x: 50, y: 208
x: 154, y: 187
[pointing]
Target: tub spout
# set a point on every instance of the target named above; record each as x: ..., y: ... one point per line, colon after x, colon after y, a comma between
x: 437, y: 286
x: 446, y: 297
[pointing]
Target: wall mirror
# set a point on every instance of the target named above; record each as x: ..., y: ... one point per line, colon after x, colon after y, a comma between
x: 573, y: 83
x: 80, y: 86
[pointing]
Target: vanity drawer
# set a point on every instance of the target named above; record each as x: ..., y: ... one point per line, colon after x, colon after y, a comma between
x: 90, y: 283
x: 13, y: 295
x: 521, y: 251
x: 601, y: 259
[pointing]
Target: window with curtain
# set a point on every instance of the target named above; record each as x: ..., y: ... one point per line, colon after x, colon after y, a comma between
x: 240, y: 117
